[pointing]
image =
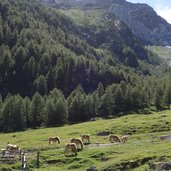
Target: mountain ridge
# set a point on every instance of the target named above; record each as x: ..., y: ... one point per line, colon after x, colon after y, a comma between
x: 142, y: 20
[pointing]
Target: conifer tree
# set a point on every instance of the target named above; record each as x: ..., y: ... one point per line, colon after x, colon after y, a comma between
x: 27, y: 108
x: 37, y: 110
x: 167, y: 96
x: 158, y: 98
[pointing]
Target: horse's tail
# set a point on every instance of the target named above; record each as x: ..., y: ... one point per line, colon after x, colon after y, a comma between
x: 59, y: 141
x: 81, y: 144
x: 49, y: 139
x: 119, y: 140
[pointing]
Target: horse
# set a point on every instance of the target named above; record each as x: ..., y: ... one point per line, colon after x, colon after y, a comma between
x: 13, y: 148
x: 86, y: 138
x: 114, y: 138
x: 124, y: 138
x: 54, y: 140
x: 70, y: 147
x: 78, y: 142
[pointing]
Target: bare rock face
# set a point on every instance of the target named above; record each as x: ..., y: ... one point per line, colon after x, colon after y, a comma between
x: 160, y: 166
x: 144, y: 22
x: 92, y: 168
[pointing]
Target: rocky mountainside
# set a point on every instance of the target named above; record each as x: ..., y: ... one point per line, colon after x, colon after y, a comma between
x: 140, y: 18
x: 101, y: 29
x: 144, y: 22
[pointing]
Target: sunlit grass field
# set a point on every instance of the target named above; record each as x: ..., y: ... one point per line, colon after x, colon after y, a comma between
x: 144, y: 144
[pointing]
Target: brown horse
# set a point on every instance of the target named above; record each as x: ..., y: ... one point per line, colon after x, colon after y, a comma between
x: 70, y: 148
x: 53, y: 140
x: 114, y: 138
x: 124, y: 138
x: 86, y: 138
x: 13, y: 148
x: 78, y: 142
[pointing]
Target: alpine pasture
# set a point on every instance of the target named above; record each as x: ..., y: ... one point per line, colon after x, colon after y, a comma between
x: 144, y: 144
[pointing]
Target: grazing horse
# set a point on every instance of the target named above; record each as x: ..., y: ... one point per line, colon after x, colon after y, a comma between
x: 13, y: 148
x: 114, y: 138
x: 78, y: 142
x: 124, y: 138
x: 86, y: 138
x: 70, y: 148
x: 53, y: 140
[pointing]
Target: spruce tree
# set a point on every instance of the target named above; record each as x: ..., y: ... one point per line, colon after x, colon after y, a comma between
x: 37, y: 110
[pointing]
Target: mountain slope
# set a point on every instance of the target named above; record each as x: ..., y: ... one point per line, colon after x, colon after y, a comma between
x: 140, y: 18
x: 144, y: 22
x: 40, y: 49
x: 104, y: 30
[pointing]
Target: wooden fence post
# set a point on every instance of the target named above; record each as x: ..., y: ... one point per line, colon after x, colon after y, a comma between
x: 23, y: 160
x: 38, y: 153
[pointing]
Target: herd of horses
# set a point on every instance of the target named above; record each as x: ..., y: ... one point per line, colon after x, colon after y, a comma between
x: 75, y: 144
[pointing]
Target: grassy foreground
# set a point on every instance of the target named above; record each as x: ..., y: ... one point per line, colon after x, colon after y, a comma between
x: 144, y: 144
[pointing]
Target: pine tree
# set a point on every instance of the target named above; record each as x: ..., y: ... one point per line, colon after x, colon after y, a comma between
x: 158, y: 98
x: 37, y: 110
x: 41, y: 85
x: 50, y: 116
x: 119, y: 100
x: 89, y: 107
x: 27, y: 108
x: 56, y: 108
x: 100, y: 90
x: 61, y: 111
x: 76, y: 105
x: 167, y: 96
x: 107, y: 103
x: 13, y: 116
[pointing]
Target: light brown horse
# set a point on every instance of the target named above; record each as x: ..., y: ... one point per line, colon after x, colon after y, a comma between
x: 53, y: 140
x: 114, y: 138
x: 78, y: 142
x: 85, y: 138
x: 13, y: 148
x: 70, y: 148
x: 124, y: 138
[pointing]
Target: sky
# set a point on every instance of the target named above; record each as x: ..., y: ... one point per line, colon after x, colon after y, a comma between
x: 162, y: 7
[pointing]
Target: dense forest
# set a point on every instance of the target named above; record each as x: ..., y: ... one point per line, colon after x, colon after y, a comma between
x: 51, y: 74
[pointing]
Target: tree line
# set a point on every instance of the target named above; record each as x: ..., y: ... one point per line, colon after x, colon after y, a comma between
x: 54, y: 109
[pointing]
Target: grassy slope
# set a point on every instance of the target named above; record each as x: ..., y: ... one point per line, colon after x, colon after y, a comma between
x: 143, y: 145
x: 91, y: 17
x: 163, y: 52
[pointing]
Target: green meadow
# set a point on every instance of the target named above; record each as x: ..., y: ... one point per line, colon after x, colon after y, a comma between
x: 143, y: 146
